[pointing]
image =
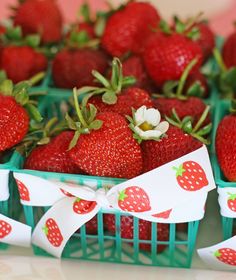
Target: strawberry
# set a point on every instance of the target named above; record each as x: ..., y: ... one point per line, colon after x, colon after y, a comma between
x: 104, y: 146
x: 112, y: 97
x: 22, y: 62
x: 82, y: 206
x: 91, y: 226
x: 163, y: 215
x: 23, y: 191
x: 232, y: 202
x: 177, y: 142
x: 53, y: 156
x: 229, y: 51
x: 5, y: 229
x: 206, y: 40
x: 191, y: 176
x: 225, y: 146
x: 53, y: 232
x: 133, y: 66
x: 14, y: 122
x: 73, y: 67
x: 166, y: 56
x: 126, y: 231
x: 134, y: 199
x: 184, y: 105
x: 226, y: 255
x: 40, y: 16
x: 128, y: 29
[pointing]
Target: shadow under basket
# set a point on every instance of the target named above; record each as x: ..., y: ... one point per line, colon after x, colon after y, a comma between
x: 106, y: 247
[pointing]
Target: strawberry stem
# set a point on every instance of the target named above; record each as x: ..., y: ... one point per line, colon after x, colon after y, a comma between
x: 36, y: 78
x: 77, y: 108
x: 184, y: 77
x: 202, y: 119
x: 219, y: 60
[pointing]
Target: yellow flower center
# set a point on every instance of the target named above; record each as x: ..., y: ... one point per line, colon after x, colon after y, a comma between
x: 146, y: 126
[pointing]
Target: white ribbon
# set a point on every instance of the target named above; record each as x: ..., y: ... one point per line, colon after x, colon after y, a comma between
x: 11, y: 231
x: 227, y: 204
x: 146, y: 196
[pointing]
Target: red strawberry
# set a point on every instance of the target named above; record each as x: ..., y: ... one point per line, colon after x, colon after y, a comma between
x: 176, y: 144
x: 54, y: 156
x: 112, y: 97
x: 192, y: 106
x: 232, y: 202
x: 191, y: 176
x: 134, y: 199
x: 23, y: 191
x: 86, y: 28
x: 163, y: 215
x: 109, y: 150
x: 229, y: 50
x: 22, y: 62
x: 91, y: 226
x: 53, y: 232
x: 5, y: 229
x: 82, y: 206
x: 166, y: 56
x: 126, y: 230
x: 133, y: 66
x: 14, y: 122
x: 128, y: 29
x: 127, y: 99
x: 206, y: 40
x: 226, y: 255
x: 40, y: 16
x: 72, y: 68
x: 225, y: 146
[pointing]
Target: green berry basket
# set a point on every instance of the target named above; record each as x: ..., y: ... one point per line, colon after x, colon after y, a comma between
x: 104, y: 246
x: 228, y: 223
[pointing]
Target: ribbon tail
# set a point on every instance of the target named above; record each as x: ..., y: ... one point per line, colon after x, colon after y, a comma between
x: 14, y: 233
x: 58, y: 224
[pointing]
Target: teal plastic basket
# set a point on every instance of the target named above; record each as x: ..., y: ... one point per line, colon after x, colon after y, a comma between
x: 103, y: 246
x: 228, y: 223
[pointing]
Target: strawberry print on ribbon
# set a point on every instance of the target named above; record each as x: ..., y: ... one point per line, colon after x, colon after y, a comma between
x: 23, y: 191
x: 220, y: 256
x: 227, y: 201
x: 191, y: 176
x: 53, y: 232
x: 5, y: 229
x: 81, y: 206
x: 134, y: 199
x: 232, y: 202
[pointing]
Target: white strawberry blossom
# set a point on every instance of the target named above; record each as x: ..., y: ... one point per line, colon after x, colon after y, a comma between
x: 148, y: 123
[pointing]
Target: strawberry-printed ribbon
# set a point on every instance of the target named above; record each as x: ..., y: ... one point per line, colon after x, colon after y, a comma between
x: 221, y: 256
x: 11, y: 231
x: 155, y: 196
x: 227, y: 201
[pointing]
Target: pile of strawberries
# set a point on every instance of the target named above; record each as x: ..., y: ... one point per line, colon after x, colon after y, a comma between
x: 138, y: 94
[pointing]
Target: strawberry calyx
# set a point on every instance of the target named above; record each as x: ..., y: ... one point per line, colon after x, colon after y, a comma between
x: 185, y: 124
x: 109, y: 89
x: 122, y: 195
x: 40, y: 134
x: 226, y: 78
x: 232, y: 196
x: 14, y: 36
x: 85, y: 119
x: 175, y: 89
x: 20, y: 92
x: 179, y: 170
